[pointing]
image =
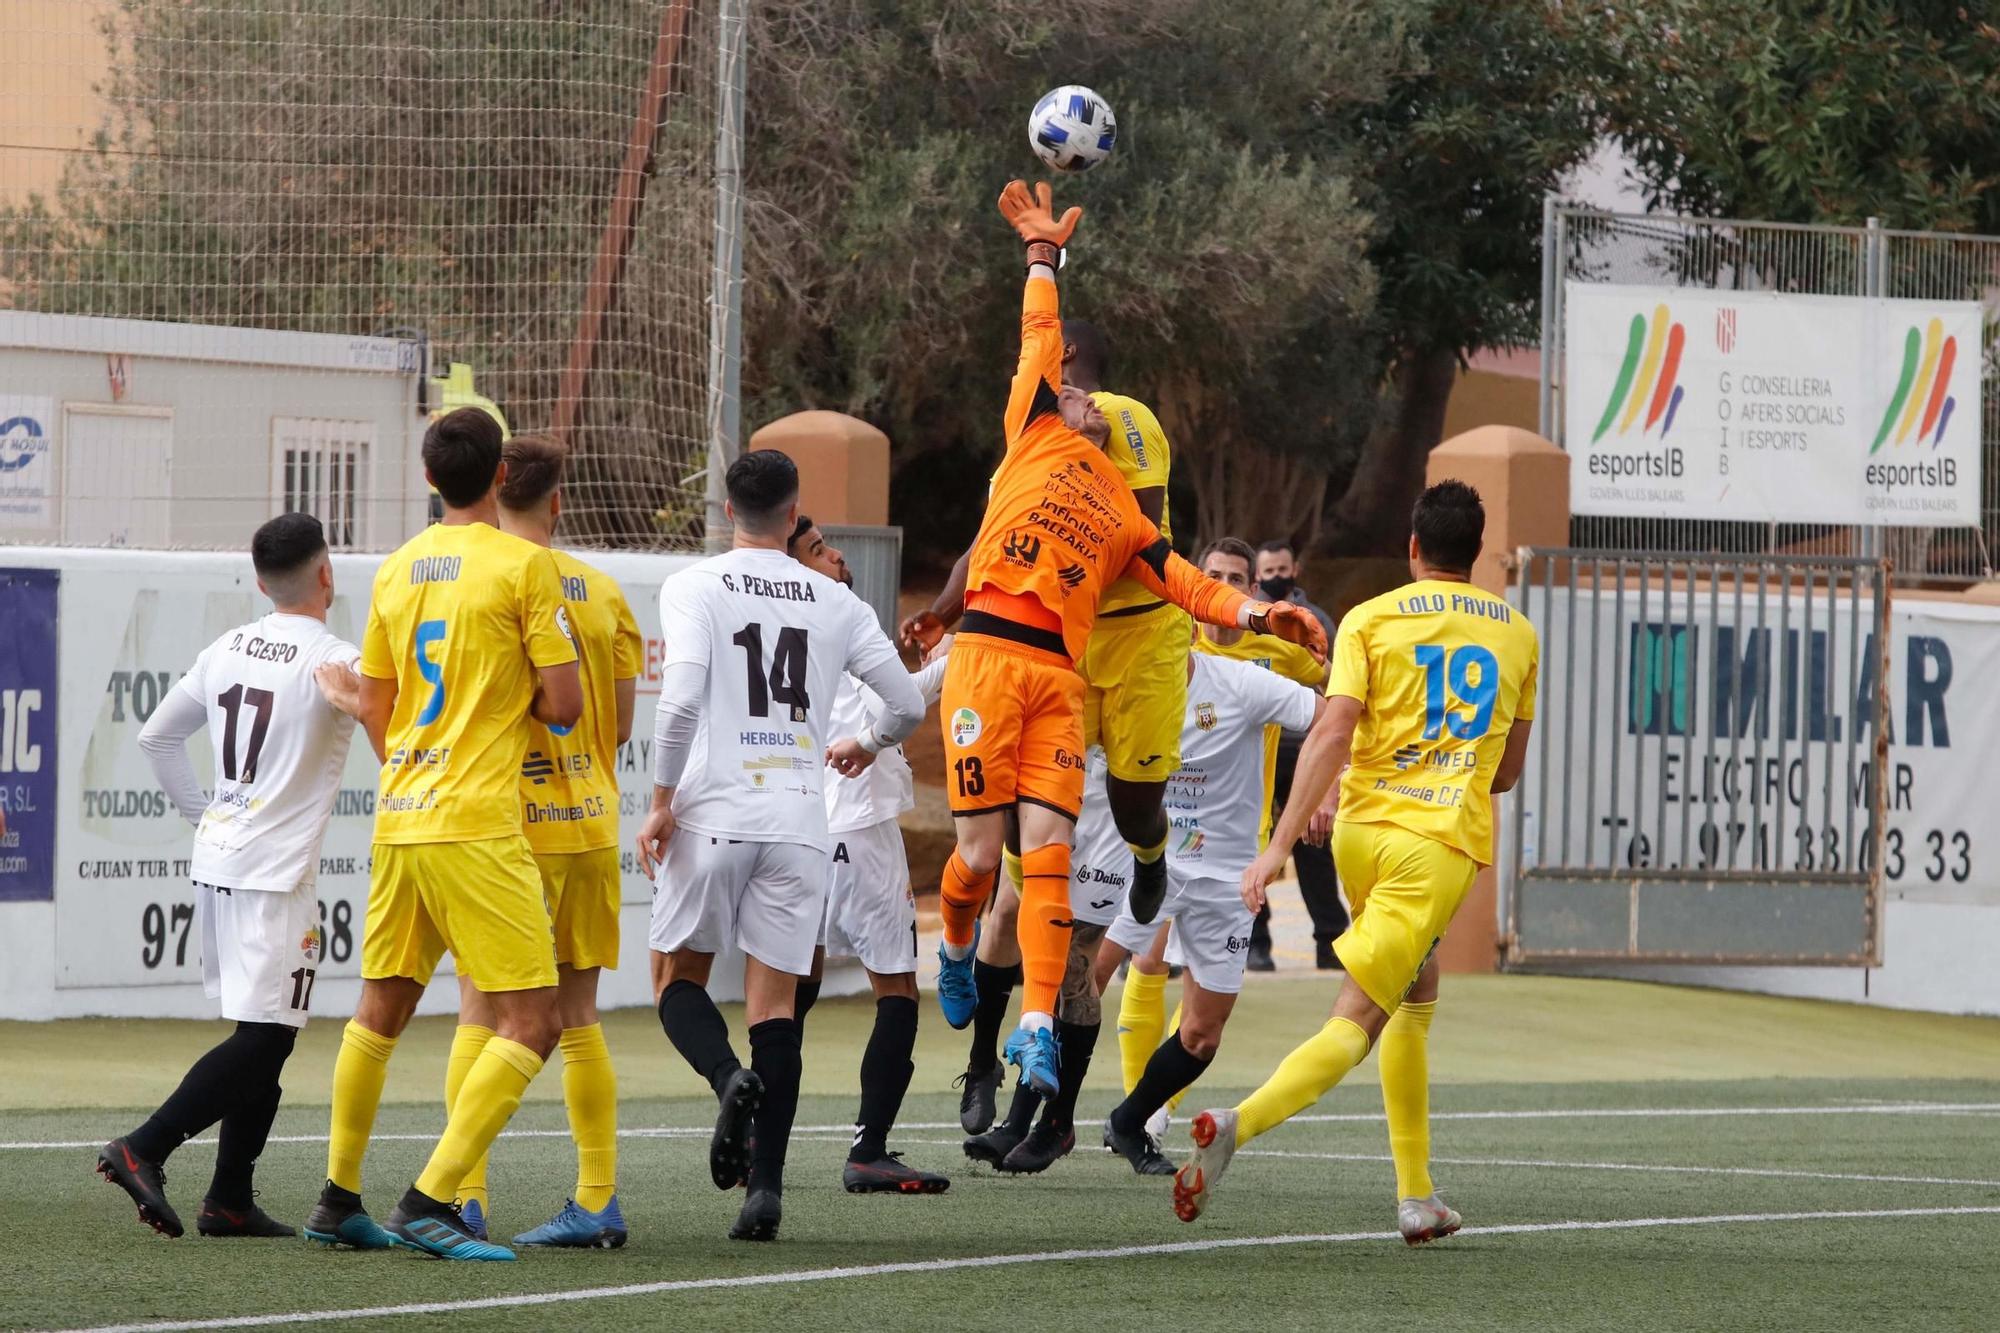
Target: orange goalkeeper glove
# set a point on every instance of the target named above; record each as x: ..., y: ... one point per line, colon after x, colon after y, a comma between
x: 1032, y: 215
x: 1292, y: 623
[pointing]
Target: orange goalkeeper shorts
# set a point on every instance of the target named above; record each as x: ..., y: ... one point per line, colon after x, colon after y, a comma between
x: 1013, y: 727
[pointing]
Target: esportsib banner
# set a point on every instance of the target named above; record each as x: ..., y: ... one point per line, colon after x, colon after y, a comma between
x: 28, y: 676
x: 1771, y: 406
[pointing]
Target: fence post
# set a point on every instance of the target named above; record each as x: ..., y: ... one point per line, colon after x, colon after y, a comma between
x: 1551, y: 290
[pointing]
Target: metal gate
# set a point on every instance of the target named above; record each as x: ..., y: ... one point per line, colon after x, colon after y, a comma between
x: 1703, y: 778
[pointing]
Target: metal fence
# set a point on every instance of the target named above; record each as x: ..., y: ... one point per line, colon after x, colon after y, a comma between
x: 1703, y: 780
x: 1583, y: 245
x: 875, y: 556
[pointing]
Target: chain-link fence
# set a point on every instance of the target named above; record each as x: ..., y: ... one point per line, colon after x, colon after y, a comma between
x: 248, y: 247
x: 1583, y: 245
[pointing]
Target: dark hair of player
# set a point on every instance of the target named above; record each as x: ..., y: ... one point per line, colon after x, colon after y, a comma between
x: 535, y: 464
x: 1278, y: 544
x: 286, y: 545
x: 1450, y: 524
x: 799, y: 530
x: 762, y: 484
x: 1232, y: 546
x: 461, y: 454
x: 1093, y: 349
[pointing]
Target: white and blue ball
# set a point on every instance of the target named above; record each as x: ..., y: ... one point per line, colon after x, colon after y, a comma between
x: 1072, y: 128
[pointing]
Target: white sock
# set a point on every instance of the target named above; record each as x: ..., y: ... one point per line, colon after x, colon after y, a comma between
x: 1035, y: 1022
x: 958, y: 953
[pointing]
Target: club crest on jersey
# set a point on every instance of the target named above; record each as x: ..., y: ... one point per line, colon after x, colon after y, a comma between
x: 309, y: 946
x: 965, y: 727
x: 1022, y: 548
x: 562, y: 623
x: 1204, y: 716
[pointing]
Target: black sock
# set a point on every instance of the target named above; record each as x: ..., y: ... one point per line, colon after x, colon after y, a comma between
x: 244, y: 1131
x: 774, y: 1056
x: 885, y: 1075
x: 1021, y: 1111
x: 698, y: 1031
x: 1075, y: 1041
x: 211, y: 1089
x: 808, y: 996
x: 1170, y: 1069
x: 247, y: 1125
x: 996, y: 995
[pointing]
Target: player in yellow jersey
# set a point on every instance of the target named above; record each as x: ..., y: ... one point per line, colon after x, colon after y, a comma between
x: 467, y: 647
x: 1432, y: 697
x: 1135, y: 674
x: 569, y: 800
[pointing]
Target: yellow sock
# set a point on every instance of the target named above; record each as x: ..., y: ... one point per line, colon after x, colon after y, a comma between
x: 466, y: 1044
x: 1174, y: 1025
x: 488, y: 1098
x: 1142, y: 1013
x: 1302, y: 1078
x: 357, y: 1091
x: 1406, y: 1096
x: 1010, y: 865
x: 1149, y: 854
x: 590, y: 1091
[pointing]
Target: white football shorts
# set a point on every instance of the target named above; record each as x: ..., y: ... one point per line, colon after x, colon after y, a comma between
x: 259, y: 951
x: 870, y: 912
x: 767, y: 898
x: 1211, y: 936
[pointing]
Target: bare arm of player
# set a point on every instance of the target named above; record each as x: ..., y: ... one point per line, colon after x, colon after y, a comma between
x: 628, y: 705
x: 1152, y: 503
x: 1320, y: 760
x: 377, y: 704
x: 163, y: 740
x: 558, y: 700
x: 923, y: 630
x: 1514, y: 758
x: 683, y: 689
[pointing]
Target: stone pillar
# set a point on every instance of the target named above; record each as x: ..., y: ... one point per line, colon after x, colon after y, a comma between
x: 843, y: 465
x: 1524, y: 481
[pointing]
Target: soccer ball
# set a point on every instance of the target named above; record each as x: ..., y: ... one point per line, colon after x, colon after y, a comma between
x: 1072, y: 128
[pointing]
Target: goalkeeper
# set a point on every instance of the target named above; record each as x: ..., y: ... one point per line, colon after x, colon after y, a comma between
x: 1061, y: 524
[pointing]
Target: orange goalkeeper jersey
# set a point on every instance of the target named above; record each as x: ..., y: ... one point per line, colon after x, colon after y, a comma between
x: 1061, y: 521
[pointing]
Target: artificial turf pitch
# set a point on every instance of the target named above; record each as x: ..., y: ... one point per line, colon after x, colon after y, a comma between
x: 1627, y: 1157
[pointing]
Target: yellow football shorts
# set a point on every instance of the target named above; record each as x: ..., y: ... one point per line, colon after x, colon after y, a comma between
x: 1135, y: 672
x: 582, y: 890
x: 481, y: 900
x: 1403, y: 890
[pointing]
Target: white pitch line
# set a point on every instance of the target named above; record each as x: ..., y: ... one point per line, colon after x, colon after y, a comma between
x: 1361, y: 1118
x: 1650, y: 1167
x: 1005, y: 1260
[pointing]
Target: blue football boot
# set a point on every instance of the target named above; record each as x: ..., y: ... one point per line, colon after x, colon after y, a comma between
x: 958, y: 993
x: 577, y: 1228
x: 1033, y: 1052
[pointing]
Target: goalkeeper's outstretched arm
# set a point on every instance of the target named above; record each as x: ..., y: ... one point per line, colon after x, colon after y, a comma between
x: 1214, y: 602
x: 1038, y: 377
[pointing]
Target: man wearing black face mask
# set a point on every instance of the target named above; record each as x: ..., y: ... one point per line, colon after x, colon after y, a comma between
x: 1277, y: 577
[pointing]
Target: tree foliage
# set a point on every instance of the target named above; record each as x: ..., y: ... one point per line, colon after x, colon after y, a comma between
x: 1222, y: 246
x: 1810, y: 112
x: 1317, y: 208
